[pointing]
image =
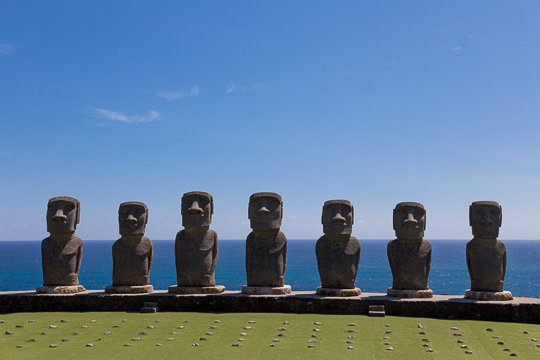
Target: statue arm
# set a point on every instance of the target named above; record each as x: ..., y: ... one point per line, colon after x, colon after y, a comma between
x: 150, y: 257
x: 428, y: 268
x: 469, y: 262
x: 284, y: 258
x: 79, y: 258
x: 504, y: 265
x: 390, y: 259
x: 214, y: 252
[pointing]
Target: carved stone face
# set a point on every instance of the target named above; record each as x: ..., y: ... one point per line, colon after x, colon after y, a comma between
x: 485, y: 217
x: 132, y: 218
x: 265, y: 211
x: 409, y: 220
x: 62, y: 214
x: 197, y: 209
x: 337, y: 217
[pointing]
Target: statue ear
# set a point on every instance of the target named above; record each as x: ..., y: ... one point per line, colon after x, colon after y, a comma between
x: 211, y: 204
x: 500, y: 222
x: 424, y: 221
x: 281, y: 211
x: 352, y: 213
x: 322, y: 216
x: 146, y: 221
x: 470, y: 215
x: 394, y: 219
x: 78, y: 217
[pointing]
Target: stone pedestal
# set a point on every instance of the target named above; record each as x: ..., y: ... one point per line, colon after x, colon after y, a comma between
x: 266, y: 290
x: 175, y: 289
x: 488, y: 295
x: 60, y: 289
x: 139, y: 289
x: 409, y: 293
x: 338, y: 292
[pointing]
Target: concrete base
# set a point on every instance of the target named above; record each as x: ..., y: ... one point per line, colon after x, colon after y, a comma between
x: 60, y: 289
x: 139, y: 289
x: 488, y: 295
x: 175, y: 289
x: 338, y: 292
x: 266, y: 290
x: 409, y: 293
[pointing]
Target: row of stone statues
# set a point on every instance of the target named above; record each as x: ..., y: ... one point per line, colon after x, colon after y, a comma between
x: 338, y: 253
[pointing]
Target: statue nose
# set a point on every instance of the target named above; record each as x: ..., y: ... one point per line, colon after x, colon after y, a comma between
x: 195, y: 209
x: 339, y: 219
x: 131, y: 219
x: 263, y: 211
x: 486, y: 221
x: 59, y: 216
x: 410, y: 220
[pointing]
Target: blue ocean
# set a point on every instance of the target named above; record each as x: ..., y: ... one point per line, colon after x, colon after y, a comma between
x: 20, y: 266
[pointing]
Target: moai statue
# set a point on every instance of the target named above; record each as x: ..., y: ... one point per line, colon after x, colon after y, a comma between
x: 266, y: 246
x: 61, y: 252
x: 338, y: 253
x: 409, y: 255
x: 196, y: 247
x: 133, y: 252
x: 486, y: 256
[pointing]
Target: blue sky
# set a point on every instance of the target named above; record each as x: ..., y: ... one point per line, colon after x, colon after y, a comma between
x: 373, y: 102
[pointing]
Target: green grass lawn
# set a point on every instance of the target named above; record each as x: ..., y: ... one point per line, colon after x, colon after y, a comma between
x: 109, y: 332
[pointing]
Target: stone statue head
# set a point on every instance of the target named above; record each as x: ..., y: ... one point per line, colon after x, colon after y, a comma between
x: 337, y: 217
x: 409, y: 220
x: 485, y: 218
x: 63, y: 214
x: 197, y: 209
x: 265, y: 211
x: 132, y: 218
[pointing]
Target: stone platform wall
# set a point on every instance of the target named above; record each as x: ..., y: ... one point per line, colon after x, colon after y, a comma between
x: 521, y: 309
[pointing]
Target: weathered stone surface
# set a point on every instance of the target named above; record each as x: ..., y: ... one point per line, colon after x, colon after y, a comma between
x: 266, y: 245
x: 61, y: 252
x: 489, y: 295
x: 337, y: 292
x: 133, y: 252
x: 409, y: 255
x: 409, y: 293
x: 338, y: 253
x: 218, y: 289
x: 486, y: 256
x: 60, y: 289
x: 266, y: 290
x: 196, y: 247
x: 135, y: 289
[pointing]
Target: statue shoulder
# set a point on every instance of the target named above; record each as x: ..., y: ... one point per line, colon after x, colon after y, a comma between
x: 279, y: 242
x: 208, y: 241
x: 353, y: 246
x: 425, y: 245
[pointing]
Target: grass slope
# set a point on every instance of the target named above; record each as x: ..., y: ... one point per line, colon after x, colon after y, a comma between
x: 368, y: 336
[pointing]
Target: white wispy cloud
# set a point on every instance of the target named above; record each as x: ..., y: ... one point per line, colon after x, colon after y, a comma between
x: 5, y: 153
x: 233, y: 88
x: 169, y: 95
x: 6, y: 48
x: 347, y: 73
x: 121, y: 117
x: 456, y: 49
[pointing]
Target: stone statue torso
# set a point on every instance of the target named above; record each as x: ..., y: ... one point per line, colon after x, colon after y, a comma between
x: 486, y: 262
x: 196, y: 259
x: 338, y: 262
x: 410, y: 263
x: 266, y: 259
x: 61, y: 261
x: 132, y: 262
